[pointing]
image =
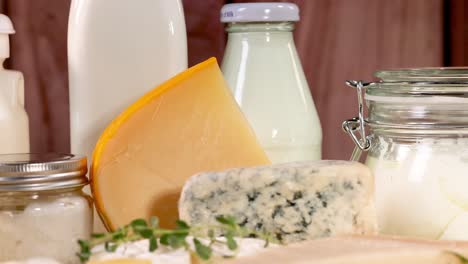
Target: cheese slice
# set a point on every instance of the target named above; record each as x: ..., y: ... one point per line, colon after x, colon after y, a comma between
x: 189, y: 124
x: 362, y: 250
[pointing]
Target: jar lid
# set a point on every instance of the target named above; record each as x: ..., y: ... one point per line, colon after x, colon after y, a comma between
x: 41, y: 172
x: 439, y: 75
x: 421, y: 82
x: 259, y: 12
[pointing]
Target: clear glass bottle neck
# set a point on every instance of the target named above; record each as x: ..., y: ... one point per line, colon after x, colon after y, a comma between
x: 245, y: 27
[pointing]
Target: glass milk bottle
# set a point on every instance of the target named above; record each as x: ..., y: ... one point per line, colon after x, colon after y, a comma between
x: 262, y: 67
x: 14, y: 124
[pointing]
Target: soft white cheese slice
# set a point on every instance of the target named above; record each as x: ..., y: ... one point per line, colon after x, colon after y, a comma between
x: 140, y: 250
x: 37, y: 260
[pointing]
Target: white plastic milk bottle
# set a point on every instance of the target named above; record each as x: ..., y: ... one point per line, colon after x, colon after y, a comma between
x: 117, y: 51
x: 14, y: 124
x: 263, y: 69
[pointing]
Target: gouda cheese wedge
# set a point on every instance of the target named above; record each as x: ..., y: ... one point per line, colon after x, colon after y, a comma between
x: 189, y: 124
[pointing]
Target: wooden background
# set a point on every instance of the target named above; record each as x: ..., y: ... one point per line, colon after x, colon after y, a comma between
x: 336, y: 39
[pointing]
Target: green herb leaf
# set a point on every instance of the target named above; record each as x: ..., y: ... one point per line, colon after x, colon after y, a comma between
x: 85, y: 250
x: 164, y: 240
x: 84, y: 245
x: 154, y: 221
x: 460, y: 257
x: 153, y: 244
x: 175, y: 238
x: 84, y: 256
x: 138, y: 222
x: 98, y: 235
x: 231, y: 242
x: 211, y: 234
x: 182, y: 225
x: 146, y: 232
x: 176, y: 241
x: 267, y: 243
x: 111, y: 246
x: 204, y: 252
x: 226, y: 220
x: 119, y: 234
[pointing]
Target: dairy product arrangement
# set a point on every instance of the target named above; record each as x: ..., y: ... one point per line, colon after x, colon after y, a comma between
x: 223, y: 166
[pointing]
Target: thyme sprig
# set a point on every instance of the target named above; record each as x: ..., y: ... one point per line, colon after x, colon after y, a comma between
x: 174, y: 238
x: 460, y: 257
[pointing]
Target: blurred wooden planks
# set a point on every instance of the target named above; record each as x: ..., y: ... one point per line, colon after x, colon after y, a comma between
x: 457, y: 32
x: 205, y: 34
x: 337, y: 40
x: 39, y: 50
x: 340, y: 40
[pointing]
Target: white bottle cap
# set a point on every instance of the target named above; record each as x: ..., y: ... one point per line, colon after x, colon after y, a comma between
x: 259, y: 12
x: 6, y: 28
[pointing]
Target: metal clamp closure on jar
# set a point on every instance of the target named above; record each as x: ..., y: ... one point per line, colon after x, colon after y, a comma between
x: 358, y: 123
x: 411, y: 99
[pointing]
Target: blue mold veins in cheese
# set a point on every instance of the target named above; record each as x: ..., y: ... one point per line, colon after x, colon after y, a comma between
x: 295, y: 201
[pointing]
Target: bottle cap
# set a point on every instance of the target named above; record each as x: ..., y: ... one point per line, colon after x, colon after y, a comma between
x: 6, y: 27
x: 259, y: 12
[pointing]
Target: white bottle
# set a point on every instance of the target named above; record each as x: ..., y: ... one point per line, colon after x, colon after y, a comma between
x: 262, y: 67
x: 14, y: 124
x: 117, y: 51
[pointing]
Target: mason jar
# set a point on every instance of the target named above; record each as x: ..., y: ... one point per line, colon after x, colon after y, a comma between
x: 416, y: 139
x: 43, y: 211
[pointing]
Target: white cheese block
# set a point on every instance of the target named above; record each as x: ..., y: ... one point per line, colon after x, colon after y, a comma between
x: 38, y: 260
x: 140, y: 250
x: 295, y: 201
x: 361, y: 250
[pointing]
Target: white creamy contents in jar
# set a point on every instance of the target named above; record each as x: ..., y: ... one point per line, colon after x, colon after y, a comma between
x: 45, y: 228
x: 422, y: 188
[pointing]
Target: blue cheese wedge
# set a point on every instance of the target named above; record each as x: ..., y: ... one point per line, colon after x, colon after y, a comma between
x: 295, y: 201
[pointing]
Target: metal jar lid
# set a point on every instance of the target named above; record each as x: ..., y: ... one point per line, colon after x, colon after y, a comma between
x: 42, y: 172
